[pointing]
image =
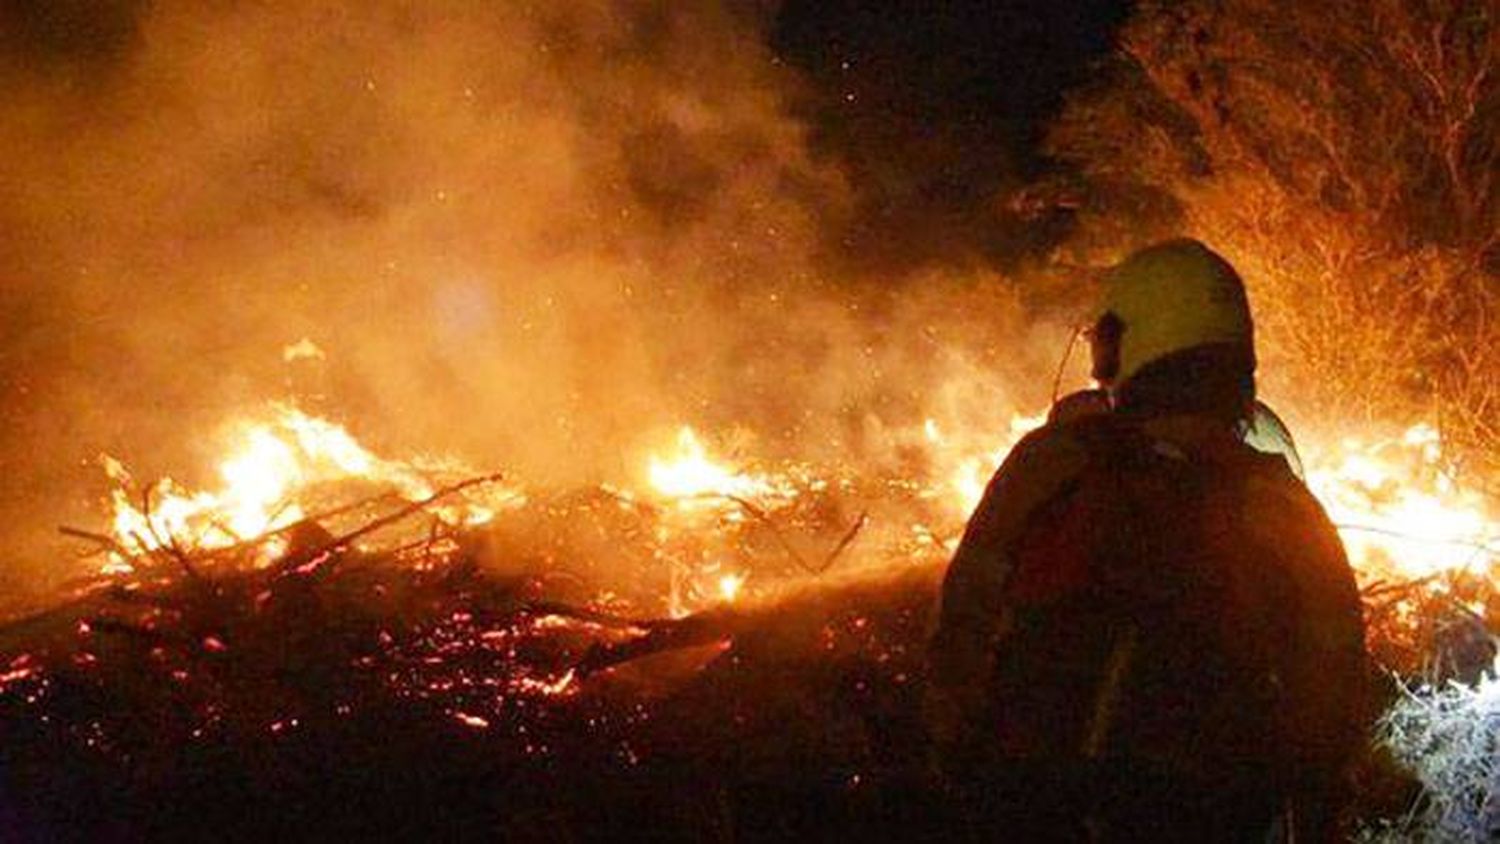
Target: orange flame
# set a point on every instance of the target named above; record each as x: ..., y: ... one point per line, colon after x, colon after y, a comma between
x: 730, y: 586
x: 968, y: 462
x: 1400, y: 513
x: 265, y: 483
x: 690, y: 473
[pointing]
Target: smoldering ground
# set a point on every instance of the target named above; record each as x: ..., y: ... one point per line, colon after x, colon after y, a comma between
x: 528, y: 234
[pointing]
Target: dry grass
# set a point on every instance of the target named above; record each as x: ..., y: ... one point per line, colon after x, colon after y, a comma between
x: 1449, y: 737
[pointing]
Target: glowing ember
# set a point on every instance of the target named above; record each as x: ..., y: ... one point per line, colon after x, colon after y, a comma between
x: 13, y: 675
x: 474, y: 721
x: 562, y: 685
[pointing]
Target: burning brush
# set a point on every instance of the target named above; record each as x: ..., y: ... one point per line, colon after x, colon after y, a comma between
x: 321, y: 586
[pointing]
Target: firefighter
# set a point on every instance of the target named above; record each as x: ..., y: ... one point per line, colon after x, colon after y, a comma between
x: 1149, y: 630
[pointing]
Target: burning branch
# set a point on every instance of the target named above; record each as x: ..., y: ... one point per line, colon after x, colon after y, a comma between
x: 164, y: 540
x: 316, y: 518
x: 310, y: 558
x: 806, y: 565
x: 105, y: 544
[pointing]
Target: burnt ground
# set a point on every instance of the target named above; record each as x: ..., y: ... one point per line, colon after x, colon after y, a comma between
x: 316, y: 714
x: 378, y: 700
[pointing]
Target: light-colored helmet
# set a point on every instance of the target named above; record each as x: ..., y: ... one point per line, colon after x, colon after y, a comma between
x: 1172, y: 297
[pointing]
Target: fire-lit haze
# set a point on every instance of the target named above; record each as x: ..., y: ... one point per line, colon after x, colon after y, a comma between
x: 531, y: 236
x: 264, y: 249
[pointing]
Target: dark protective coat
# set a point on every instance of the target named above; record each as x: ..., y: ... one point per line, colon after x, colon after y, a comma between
x: 1043, y: 515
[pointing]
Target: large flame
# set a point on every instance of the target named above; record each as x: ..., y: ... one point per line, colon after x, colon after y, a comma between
x: 266, y: 482
x: 966, y: 463
x: 1401, y: 514
x: 690, y: 473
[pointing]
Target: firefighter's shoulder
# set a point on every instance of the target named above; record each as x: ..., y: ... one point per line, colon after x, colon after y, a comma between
x: 1079, y: 404
x: 1044, y: 461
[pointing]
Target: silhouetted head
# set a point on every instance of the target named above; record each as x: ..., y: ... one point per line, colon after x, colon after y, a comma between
x: 1174, y: 334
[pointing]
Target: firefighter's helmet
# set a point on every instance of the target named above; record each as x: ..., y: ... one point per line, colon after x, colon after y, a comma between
x: 1169, y: 298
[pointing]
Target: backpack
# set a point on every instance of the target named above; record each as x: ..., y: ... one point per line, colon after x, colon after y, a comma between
x: 1147, y: 618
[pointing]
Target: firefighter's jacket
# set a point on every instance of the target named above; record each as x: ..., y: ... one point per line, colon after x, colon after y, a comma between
x: 1323, y: 674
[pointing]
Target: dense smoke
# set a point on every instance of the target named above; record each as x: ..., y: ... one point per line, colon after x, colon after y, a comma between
x: 533, y: 235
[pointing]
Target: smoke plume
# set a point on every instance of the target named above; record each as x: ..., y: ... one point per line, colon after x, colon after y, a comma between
x: 526, y: 234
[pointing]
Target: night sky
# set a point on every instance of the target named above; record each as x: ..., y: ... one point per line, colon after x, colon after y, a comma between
x: 935, y: 109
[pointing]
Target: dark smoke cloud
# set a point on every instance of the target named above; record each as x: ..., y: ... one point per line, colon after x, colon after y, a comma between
x: 523, y: 233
